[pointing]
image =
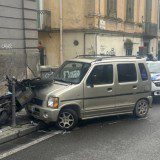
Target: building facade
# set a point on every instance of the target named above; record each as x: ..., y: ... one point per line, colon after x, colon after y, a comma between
x: 18, y: 37
x: 121, y: 27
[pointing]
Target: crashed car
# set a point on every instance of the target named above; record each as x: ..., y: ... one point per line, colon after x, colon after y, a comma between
x: 93, y: 86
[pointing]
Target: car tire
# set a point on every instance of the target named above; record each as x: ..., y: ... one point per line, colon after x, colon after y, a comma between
x: 141, y: 108
x: 67, y: 119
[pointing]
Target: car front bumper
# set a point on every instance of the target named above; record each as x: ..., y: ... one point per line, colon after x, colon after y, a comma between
x: 43, y: 113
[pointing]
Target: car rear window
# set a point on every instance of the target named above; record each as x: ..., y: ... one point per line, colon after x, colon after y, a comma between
x: 143, y: 72
x: 126, y: 72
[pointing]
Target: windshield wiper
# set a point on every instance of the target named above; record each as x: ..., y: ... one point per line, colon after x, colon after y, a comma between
x: 61, y: 80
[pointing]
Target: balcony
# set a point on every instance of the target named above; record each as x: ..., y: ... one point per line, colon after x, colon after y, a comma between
x: 150, y: 30
x: 44, y: 20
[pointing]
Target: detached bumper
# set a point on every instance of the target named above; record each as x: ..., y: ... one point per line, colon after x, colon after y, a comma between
x: 43, y: 113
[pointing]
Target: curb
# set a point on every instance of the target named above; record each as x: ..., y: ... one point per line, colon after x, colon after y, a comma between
x: 14, y: 133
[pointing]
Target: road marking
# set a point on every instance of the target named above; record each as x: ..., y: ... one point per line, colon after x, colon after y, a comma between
x: 20, y: 148
x: 142, y: 118
x: 110, y: 123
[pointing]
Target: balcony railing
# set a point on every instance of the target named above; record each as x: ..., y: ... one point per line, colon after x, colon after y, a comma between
x: 44, y: 20
x: 150, y: 29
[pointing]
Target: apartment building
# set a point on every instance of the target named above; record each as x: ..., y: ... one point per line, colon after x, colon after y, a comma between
x: 68, y: 28
x: 18, y: 37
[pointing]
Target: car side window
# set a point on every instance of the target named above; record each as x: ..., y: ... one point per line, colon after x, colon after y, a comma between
x: 143, y: 72
x: 126, y: 72
x: 102, y: 74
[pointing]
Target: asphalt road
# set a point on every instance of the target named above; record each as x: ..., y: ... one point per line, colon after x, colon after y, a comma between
x: 114, y: 138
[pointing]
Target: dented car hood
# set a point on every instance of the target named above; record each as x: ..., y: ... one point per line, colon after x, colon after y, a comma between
x: 50, y: 90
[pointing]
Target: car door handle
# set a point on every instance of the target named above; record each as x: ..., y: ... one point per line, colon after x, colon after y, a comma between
x: 109, y: 89
x: 134, y: 87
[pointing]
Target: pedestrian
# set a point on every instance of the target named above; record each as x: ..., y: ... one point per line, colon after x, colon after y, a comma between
x: 41, y: 52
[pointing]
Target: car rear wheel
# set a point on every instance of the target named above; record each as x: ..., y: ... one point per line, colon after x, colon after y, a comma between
x: 141, y: 108
x: 67, y: 119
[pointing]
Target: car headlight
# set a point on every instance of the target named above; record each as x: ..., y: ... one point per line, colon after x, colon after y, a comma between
x: 53, y: 102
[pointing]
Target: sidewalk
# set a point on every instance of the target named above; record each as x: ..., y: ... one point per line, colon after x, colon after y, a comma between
x: 24, y: 126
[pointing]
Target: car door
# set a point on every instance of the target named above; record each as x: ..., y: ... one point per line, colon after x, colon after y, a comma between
x: 99, y: 95
x: 127, y: 86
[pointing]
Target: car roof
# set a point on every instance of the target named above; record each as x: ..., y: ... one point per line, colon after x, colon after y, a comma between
x: 153, y: 61
x: 101, y: 59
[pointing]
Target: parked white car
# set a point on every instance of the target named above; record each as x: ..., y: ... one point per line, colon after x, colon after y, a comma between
x: 154, y: 68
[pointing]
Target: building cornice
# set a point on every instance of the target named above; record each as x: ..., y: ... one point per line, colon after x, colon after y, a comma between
x: 95, y: 31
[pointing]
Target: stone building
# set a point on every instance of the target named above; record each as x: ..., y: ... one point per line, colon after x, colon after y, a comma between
x: 18, y: 37
x: 123, y: 27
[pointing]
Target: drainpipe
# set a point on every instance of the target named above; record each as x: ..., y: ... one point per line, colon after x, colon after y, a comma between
x: 157, y: 27
x: 61, y: 31
x: 24, y: 38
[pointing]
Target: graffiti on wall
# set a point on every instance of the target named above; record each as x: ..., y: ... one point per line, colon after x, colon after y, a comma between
x: 104, y: 50
x: 91, y: 50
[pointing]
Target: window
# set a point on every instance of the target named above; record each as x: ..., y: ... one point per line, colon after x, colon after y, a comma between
x: 143, y: 71
x: 112, y: 8
x: 126, y: 73
x: 130, y: 10
x: 102, y: 74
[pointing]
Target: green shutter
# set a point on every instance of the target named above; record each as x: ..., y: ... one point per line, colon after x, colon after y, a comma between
x: 148, y: 10
x: 130, y: 10
x: 115, y: 8
x: 112, y: 8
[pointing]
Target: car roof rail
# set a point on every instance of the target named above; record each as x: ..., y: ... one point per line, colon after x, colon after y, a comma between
x: 100, y: 57
x: 93, y: 55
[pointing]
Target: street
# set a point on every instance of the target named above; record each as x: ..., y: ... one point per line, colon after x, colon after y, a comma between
x: 112, y: 138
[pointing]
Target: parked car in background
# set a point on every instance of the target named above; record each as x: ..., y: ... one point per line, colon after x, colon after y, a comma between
x: 94, y: 86
x: 154, y: 68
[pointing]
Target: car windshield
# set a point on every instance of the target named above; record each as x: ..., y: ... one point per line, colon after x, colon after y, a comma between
x: 154, y: 67
x: 71, y: 72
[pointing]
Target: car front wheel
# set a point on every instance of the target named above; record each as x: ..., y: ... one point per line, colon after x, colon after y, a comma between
x: 67, y: 119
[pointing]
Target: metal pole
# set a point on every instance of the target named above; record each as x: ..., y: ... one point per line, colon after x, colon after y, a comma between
x: 13, y: 104
x: 61, y: 32
x: 24, y: 38
x: 157, y: 27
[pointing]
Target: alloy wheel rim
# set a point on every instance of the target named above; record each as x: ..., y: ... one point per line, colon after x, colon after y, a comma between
x: 142, y: 108
x: 66, y: 120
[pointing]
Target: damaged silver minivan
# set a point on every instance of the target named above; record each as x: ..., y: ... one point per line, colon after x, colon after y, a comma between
x: 94, y: 86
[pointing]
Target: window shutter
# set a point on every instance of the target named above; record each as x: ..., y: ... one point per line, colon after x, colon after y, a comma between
x: 115, y: 8
x: 132, y: 9
x: 148, y: 10
x: 112, y: 8
x: 108, y: 7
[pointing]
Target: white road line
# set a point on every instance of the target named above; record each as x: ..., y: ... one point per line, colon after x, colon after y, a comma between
x: 142, y: 118
x: 110, y: 123
x: 20, y: 148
